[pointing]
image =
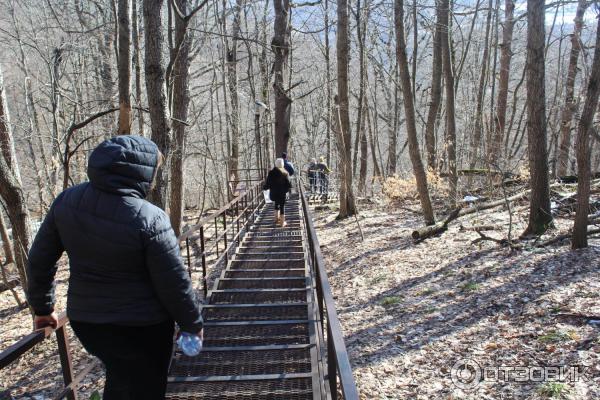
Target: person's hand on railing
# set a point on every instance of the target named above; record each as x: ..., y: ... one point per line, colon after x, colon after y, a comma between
x: 43, y: 321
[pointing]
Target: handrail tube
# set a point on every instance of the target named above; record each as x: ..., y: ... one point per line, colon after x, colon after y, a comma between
x: 335, y: 341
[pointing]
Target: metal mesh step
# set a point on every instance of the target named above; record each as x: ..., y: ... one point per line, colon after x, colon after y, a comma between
x: 266, y: 249
x: 255, y: 313
x: 276, y: 389
x: 258, y: 283
x: 270, y: 256
x: 265, y: 273
x: 255, y: 335
x: 247, y: 362
x: 266, y: 264
x: 257, y: 297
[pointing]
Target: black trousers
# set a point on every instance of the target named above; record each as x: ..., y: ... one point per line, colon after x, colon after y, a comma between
x: 280, y: 205
x: 136, y: 358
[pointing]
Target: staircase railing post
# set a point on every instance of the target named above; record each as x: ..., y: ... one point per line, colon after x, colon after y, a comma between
x: 225, y: 236
x: 64, y: 352
x: 203, y: 257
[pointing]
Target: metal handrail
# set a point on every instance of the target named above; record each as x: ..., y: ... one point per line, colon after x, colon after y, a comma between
x: 242, y: 211
x: 338, y: 363
x: 28, y: 342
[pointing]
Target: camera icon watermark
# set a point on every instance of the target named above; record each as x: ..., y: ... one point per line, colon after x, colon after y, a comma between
x: 468, y: 374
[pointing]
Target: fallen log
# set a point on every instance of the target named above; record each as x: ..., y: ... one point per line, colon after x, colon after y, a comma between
x: 560, y: 238
x: 481, y: 228
x: 431, y: 230
x: 9, y: 283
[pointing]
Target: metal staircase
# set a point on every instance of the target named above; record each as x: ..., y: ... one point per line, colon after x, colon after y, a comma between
x: 260, y: 323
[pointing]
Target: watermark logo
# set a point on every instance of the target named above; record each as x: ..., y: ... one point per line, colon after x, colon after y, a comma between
x: 468, y: 374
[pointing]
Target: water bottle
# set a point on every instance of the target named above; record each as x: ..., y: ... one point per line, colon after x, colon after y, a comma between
x: 189, y: 344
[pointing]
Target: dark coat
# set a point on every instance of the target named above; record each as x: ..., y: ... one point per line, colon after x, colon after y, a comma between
x: 289, y: 167
x: 278, y: 183
x: 125, y: 265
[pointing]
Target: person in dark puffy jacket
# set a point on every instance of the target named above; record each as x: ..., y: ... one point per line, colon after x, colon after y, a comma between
x: 127, y: 282
x: 278, y: 183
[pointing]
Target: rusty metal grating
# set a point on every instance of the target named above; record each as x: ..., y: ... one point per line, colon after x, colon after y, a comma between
x: 255, y: 335
x: 255, y: 313
x: 262, y: 283
x: 258, y: 273
x: 258, y: 297
x: 266, y: 264
x: 272, y: 389
x: 245, y: 362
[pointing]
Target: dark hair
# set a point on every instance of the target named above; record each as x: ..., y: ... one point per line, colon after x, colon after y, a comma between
x: 284, y: 155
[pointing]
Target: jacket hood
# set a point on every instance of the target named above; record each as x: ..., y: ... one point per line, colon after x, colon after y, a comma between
x: 124, y: 165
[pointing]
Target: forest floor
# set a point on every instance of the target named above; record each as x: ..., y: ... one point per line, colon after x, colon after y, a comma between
x: 413, y: 314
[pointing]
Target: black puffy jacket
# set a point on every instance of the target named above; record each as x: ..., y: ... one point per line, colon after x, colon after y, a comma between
x: 125, y: 265
x: 278, y: 183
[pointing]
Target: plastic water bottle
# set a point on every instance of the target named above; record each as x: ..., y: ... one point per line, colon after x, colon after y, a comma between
x: 190, y: 344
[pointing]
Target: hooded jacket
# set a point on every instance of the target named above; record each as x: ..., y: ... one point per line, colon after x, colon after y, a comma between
x: 278, y: 183
x: 124, y: 259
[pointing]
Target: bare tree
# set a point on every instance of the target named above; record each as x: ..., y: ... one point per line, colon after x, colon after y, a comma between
x: 280, y: 45
x: 409, y: 110
x: 570, y: 106
x: 156, y: 93
x: 180, y: 106
x: 539, y: 206
x: 344, y: 136
x: 450, y: 106
x: 579, y: 238
x: 436, y: 94
x: 12, y: 195
x: 124, y: 68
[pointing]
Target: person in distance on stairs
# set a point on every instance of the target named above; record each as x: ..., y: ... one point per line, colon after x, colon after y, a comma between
x: 278, y: 183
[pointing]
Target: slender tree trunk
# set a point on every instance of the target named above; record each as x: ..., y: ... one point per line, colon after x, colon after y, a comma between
x: 156, y: 93
x: 181, y: 100
x: 280, y: 45
x: 232, y: 83
x: 478, y: 131
x: 124, y: 67
x: 328, y: 77
x: 138, y: 73
x: 539, y: 212
x: 579, y: 238
x: 347, y: 205
x: 505, y: 60
x: 449, y: 84
x: 570, y: 106
x: 409, y: 109
x: 436, y: 94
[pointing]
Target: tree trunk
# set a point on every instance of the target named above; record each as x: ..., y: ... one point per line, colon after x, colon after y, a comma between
x: 280, y: 45
x: 328, y: 78
x: 11, y: 190
x: 124, y: 67
x: 579, y: 238
x: 570, y: 106
x: 232, y: 84
x: 450, y: 112
x: 478, y: 133
x: 181, y: 100
x: 362, y: 24
x: 156, y: 92
x: 539, y: 212
x: 409, y: 108
x: 436, y: 95
x: 138, y: 73
x: 347, y: 205
x: 505, y: 59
